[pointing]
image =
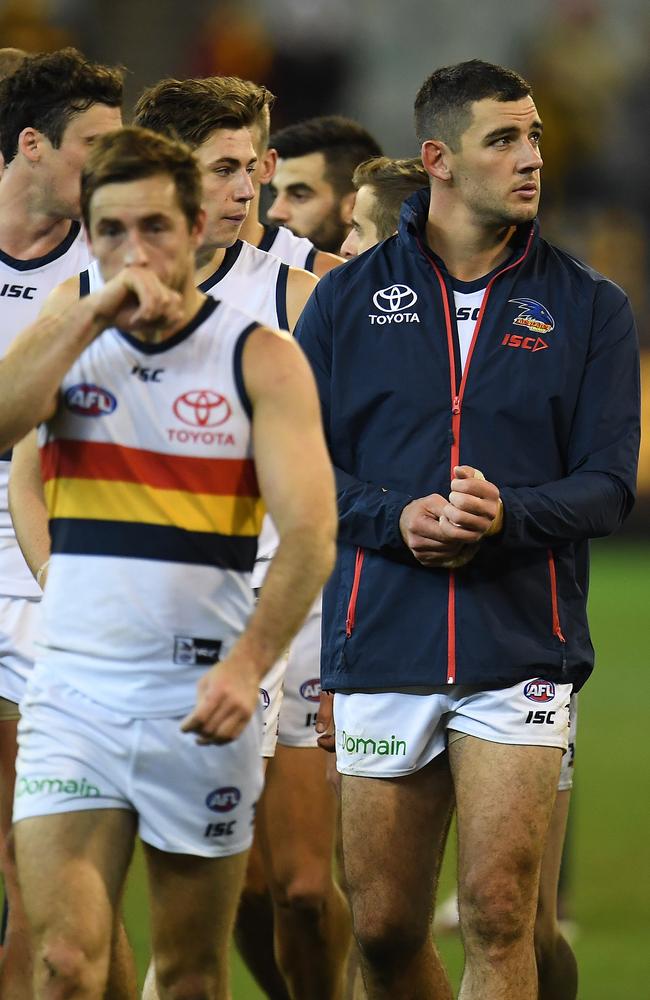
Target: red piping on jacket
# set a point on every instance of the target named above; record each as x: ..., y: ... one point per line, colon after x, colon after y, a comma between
x: 557, y: 628
x: 352, y: 604
x: 456, y: 412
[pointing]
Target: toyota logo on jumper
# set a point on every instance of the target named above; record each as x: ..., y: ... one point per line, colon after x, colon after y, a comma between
x: 202, y: 408
x: 392, y: 299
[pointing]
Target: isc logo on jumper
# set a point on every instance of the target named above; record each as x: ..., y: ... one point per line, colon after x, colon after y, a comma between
x: 90, y: 400
x: 311, y: 689
x: 395, y: 304
x: 17, y: 291
x: 202, y: 408
x: 223, y: 800
x: 540, y: 691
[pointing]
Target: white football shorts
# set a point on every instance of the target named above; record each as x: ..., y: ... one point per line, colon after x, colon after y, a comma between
x: 18, y: 620
x: 75, y: 754
x: 565, y: 783
x: 302, y: 684
x: 393, y: 733
x: 271, y: 698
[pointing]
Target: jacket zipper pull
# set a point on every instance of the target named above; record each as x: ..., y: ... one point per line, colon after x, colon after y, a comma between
x: 455, y: 405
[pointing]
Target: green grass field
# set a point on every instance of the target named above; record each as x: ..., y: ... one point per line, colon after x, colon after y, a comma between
x: 611, y: 839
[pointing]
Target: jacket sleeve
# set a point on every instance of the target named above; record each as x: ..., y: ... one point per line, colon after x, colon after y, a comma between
x: 368, y: 514
x: 599, y: 488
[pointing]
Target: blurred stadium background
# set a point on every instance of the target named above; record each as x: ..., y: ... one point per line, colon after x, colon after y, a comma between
x: 590, y: 65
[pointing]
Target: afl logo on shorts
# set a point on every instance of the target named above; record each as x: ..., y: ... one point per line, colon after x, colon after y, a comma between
x: 90, y: 400
x: 265, y: 698
x: 311, y: 689
x: 223, y: 800
x: 540, y: 691
x: 202, y: 408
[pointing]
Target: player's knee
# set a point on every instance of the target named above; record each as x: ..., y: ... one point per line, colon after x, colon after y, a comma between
x: 174, y: 983
x: 71, y: 967
x: 387, y: 941
x: 496, y: 912
x: 305, y: 899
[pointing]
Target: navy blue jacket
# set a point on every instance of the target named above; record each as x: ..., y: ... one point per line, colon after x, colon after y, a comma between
x: 548, y: 409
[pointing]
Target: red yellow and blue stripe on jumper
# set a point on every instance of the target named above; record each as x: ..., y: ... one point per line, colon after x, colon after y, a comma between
x: 106, y: 499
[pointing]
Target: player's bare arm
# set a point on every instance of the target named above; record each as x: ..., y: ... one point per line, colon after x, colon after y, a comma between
x: 300, y: 285
x: 297, y: 485
x: 32, y: 369
x: 27, y: 506
x: 324, y: 262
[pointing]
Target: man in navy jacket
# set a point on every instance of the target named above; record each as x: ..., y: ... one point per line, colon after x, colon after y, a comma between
x: 454, y: 625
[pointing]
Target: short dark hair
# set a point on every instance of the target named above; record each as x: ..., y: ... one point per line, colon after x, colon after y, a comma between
x: 131, y: 154
x: 191, y: 110
x: 443, y: 106
x: 391, y: 181
x: 343, y: 142
x: 46, y: 91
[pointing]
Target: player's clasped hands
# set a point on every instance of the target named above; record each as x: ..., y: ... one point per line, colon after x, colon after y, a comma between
x: 437, y: 530
x: 227, y: 696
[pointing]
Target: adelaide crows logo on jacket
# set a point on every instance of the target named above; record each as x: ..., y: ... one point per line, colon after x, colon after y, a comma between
x: 533, y: 315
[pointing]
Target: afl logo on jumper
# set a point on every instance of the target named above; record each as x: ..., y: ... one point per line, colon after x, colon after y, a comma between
x: 202, y: 408
x: 394, y: 304
x: 540, y: 691
x: 90, y: 400
x: 223, y: 800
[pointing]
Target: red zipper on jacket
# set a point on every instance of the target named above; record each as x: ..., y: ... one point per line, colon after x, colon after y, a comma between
x: 352, y: 603
x: 456, y: 413
x: 557, y: 628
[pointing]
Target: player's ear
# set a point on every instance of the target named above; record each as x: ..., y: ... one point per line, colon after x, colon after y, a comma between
x: 436, y: 159
x: 198, y: 229
x: 29, y: 144
x: 268, y: 163
x: 347, y: 207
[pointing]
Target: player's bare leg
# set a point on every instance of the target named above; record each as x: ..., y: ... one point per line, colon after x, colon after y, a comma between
x: 72, y: 893
x: 297, y: 822
x: 193, y: 906
x: 122, y: 974
x: 394, y: 832
x: 16, y: 962
x: 504, y: 801
x: 254, y: 929
x: 556, y: 964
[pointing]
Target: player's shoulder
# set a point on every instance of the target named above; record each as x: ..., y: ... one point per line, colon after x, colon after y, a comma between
x: 585, y: 280
x: 352, y: 274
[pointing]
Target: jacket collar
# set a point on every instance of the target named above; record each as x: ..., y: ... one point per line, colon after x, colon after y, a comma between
x: 412, y: 228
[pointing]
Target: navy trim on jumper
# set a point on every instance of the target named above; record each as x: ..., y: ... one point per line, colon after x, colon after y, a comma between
x: 230, y: 257
x: 239, y: 374
x: 36, y: 262
x: 205, y: 310
x: 281, y: 297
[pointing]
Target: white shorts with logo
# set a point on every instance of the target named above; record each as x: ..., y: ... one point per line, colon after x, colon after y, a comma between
x: 392, y: 733
x: 76, y: 755
x: 18, y: 618
x: 302, y: 684
x: 271, y: 698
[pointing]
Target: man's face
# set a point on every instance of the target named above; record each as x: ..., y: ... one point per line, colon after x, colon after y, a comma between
x: 363, y: 234
x: 228, y: 162
x: 496, y: 172
x: 306, y: 202
x: 141, y: 223
x: 61, y: 168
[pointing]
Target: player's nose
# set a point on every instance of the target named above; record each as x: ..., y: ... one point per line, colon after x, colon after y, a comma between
x: 350, y: 245
x: 135, y: 252
x: 277, y: 211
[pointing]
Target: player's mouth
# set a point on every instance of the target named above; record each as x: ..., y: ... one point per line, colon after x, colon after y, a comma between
x: 529, y: 190
x: 236, y: 219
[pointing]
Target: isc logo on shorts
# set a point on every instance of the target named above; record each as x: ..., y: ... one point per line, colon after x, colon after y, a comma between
x: 311, y: 689
x: 223, y: 800
x: 540, y: 691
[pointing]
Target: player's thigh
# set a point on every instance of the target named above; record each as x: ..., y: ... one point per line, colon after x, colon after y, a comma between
x: 504, y: 800
x: 9, y: 717
x: 193, y: 905
x: 394, y: 831
x: 72, y: 867
x: 298, y: 816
